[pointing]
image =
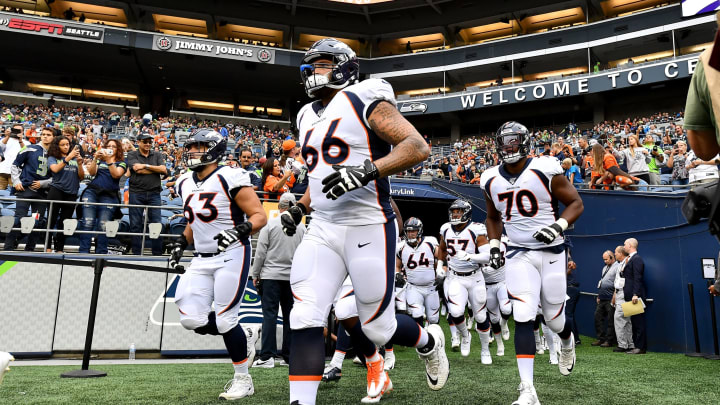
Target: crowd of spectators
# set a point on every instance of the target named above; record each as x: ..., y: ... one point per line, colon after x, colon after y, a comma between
x: 632, y: 154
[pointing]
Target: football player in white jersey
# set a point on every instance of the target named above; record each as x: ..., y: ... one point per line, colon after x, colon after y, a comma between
x: 464, y: 282
x: 352, y: 138
x: 499, y: 307
x: 222, y: 211
x: 416, y: 256
x: 522, y: 194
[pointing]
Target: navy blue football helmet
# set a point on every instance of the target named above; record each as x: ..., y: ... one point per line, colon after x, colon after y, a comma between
x: 413, y: 224
x: 466, y: 212
x: 345, y: 68
x: 215, y: 143
x: 513, y: 142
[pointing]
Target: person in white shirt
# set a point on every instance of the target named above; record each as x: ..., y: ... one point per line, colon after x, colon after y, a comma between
x: 701, y: 171
x: 10, y: 146
x: 623, y: 325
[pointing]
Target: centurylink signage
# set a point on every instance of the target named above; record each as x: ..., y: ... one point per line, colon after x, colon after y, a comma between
x: 544, y: 90
x: 216, y: 49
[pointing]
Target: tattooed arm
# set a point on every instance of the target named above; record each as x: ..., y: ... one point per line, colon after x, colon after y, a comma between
x: 409, y: 147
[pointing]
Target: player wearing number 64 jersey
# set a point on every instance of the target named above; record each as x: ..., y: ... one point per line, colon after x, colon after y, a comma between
x: 222, y: 211
x: 522, y: 195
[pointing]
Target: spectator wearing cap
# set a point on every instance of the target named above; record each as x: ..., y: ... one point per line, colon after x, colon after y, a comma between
x: 147, y: 167
x: 271, y: 277
x: 295, y: 163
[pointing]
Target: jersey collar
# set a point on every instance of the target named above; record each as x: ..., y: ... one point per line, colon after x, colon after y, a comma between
x: 197, y: 180
x: 510, y: 177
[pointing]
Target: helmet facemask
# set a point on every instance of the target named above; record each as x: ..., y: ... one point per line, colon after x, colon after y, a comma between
x: 196, y: 160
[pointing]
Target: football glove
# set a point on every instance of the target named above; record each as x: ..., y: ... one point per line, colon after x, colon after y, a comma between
x: 291, y: 218
x: 497, y: 259
x: 176, y: 252
x: 547, y: 234
x: 232, y: 235
x: 462, y: 255
x: 439, y: 270
x: 399, y: 280
x: 348, y: 178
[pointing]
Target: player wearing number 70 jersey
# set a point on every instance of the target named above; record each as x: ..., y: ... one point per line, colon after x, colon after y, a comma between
x: 522, y: 195
x: 222, y: 211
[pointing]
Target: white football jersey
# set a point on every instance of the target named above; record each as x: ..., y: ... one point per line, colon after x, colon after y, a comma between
x: 208, y: 204
x: 461, y: 240
x: 419, y: 262
x: 525, y: 201
x: 339, y: 134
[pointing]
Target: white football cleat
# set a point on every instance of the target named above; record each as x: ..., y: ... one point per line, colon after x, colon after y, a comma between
x: 386, y: 389
x: 539, y: 349
x: 389, y: 360
x: 553, y: 358
x: 465, y: 345
x: 252, y: 333
x: 239, y: 387
x: 357, y: 361
x: 260, y: 363
x: 5, y: 359
x: 566, y: 362
x: 505, y: 330
x: 455, y: 342
x: 500, y: 347
x: 437, y: 367
x: 528, y: 396
x: 485, y: 357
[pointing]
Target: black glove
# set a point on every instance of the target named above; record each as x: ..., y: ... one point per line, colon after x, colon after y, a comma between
x: 176, y: 252
x: 232, y: 235
x: 258, y: 287
x: 399, y: 280
x: 291, y: 218
x: 348, y: 178
x: 548, y: 234
x: 497, y: 259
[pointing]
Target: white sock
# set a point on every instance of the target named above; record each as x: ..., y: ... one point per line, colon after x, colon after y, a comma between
x: 240, y: 368
x: 485, y: 339
x: 567, y: 343
x: 374, y: 357
x: 498, y: 340
x: 525, y: 368
x: 550, y: 337
x: 424, y: 337
x: 503, y: 323
x: 463, y: 329
x: 337, y: 359
x: 453, y: 330
x: 537, y: 337
x: 304, y: 392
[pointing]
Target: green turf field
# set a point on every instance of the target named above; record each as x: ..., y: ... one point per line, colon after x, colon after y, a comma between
x: 600, y: 377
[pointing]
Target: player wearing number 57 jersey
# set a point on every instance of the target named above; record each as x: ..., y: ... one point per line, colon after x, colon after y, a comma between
x: 352, y: 138
x: 522, y: 195
x: 416, y: 256
x: 465, y: 282
x: 222, y: 211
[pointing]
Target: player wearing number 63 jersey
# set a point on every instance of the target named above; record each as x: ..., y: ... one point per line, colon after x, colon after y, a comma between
x: 222, y: 211
x: 465, y: 282
x: 522, y: 194
x: 352, y: 138
x: 416, y: 256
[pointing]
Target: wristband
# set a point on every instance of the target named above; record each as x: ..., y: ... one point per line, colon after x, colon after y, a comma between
x: 563, y: 223
x: 182, y: 240
x: 495, y: 243
x: 302, y: 207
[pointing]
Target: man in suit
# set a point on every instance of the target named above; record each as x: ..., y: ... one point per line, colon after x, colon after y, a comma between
x: 634, y: 289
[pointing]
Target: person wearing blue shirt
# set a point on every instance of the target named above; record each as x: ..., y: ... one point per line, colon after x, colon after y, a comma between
x: 67, y: 171
x: 31, y: 178
x: 107, y: 166
x: 572, y: 172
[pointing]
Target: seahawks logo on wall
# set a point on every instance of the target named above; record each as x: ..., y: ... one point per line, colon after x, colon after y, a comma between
x: 413, y: 107
x: 250, y: 309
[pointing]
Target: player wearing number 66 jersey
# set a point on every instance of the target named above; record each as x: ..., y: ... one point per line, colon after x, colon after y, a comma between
x: 464, y: 282
x: 416, y: 256
x: 352, y: 138
x: 522, y: 194
x: 222, y: 211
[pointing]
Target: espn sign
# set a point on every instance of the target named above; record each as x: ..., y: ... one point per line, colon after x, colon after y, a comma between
x: 49, y: 28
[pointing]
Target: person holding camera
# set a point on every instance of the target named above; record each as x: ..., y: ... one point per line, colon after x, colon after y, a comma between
x: 108, y: 167
x: 273, y: 179
x: 677, y: 161
x: 31, y: 179
x: 67, y: 171
x: 146, y: 169
x: 656, y: 161
x: 10, y: 146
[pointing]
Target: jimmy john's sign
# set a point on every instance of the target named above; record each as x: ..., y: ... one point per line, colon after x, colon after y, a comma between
x: 217, y: 49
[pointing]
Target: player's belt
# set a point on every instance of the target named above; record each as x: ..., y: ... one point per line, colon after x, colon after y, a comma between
x: 465, y: 274
x: 486, y: 283
x: 201, y: 254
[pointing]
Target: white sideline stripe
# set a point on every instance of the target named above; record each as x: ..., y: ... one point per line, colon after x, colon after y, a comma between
x: 60, y: 362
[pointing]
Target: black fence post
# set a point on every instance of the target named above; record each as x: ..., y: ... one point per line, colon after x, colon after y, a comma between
x: 691, y: 293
